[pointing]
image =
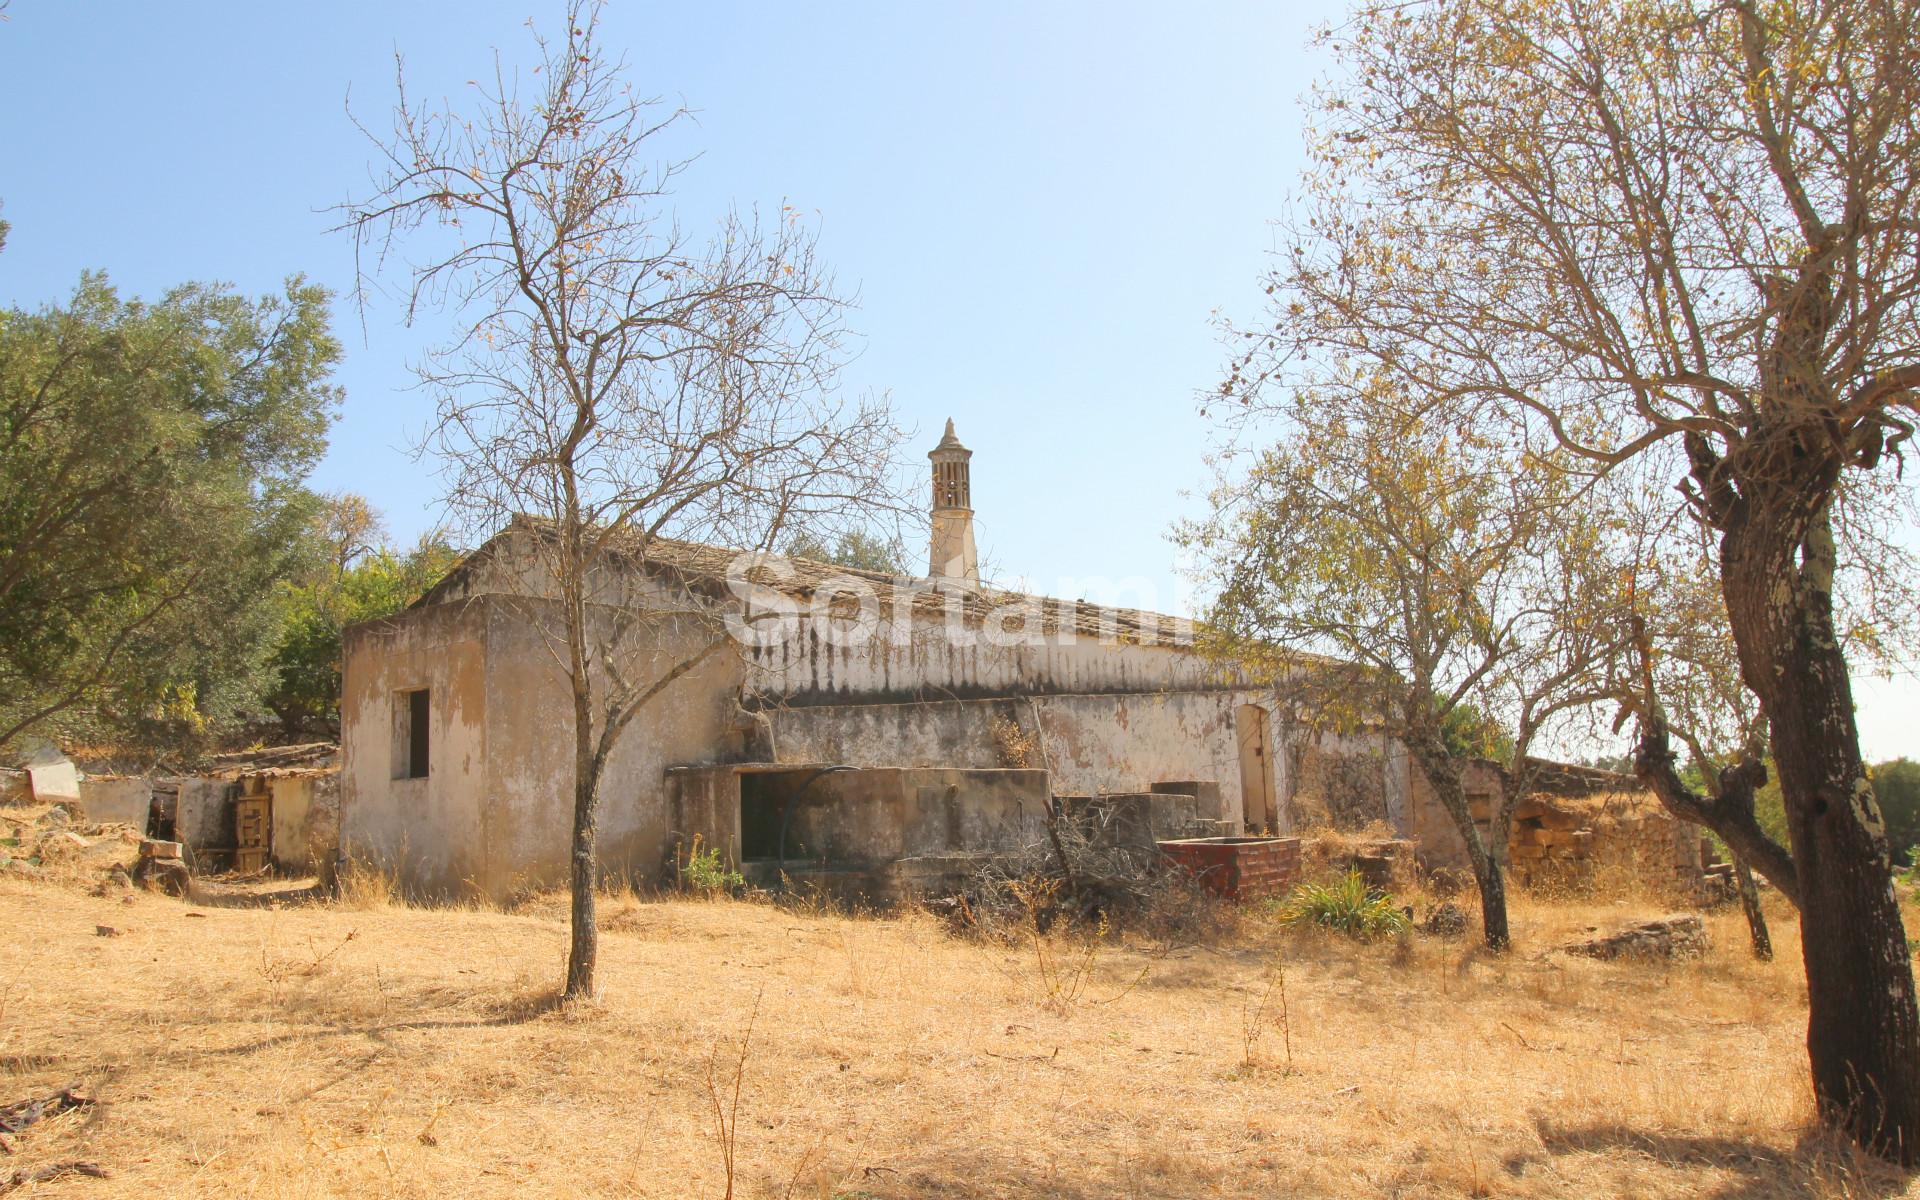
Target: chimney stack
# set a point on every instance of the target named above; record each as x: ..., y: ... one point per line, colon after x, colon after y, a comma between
x: 953, y: 556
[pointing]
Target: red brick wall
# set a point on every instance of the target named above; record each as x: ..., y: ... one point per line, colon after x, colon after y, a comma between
x: 1249, y: 869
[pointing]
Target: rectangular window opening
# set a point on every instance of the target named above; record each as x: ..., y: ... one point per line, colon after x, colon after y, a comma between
x: 411, y: 741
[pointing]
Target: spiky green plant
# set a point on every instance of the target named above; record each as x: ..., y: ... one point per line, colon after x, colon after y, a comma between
x: 1348, y: 906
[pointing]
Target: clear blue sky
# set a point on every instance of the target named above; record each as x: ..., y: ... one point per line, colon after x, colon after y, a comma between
x: 1041, y: 206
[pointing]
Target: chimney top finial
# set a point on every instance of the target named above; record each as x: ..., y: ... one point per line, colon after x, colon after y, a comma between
x: 948, y: 441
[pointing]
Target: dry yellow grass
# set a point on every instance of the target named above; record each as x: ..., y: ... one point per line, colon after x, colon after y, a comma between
x: 366, y: 1048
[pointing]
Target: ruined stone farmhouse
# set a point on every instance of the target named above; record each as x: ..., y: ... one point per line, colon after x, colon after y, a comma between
x: 860, y: 731
x: 888, y: 728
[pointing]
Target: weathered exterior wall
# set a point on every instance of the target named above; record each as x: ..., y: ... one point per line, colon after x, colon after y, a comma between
x: 292, y: 798
x: 1345, y: 782
x: 954, y: 733
x: 122, y: 798
x: 873, y: 817
x: 203, y: 815
x: 323, y: 828
x: 870, y: 816
x: 807, y: 669
x: 527, y: 821
x: 1129, y: 743
x: 1091, y: 743
x: 1430, y: 827
x: 306, y: 820
x: 430, y: 832
x: 703, y: 803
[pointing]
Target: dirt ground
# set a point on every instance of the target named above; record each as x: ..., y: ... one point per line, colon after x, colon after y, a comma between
x: 278, y: 1046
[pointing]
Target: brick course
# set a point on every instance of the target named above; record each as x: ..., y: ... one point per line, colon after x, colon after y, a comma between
x: 1239, y: 868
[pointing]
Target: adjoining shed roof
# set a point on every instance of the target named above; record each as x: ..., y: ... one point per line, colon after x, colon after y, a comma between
x: 1573, y: 780
x: 307, y: 758
x: 708, y: 569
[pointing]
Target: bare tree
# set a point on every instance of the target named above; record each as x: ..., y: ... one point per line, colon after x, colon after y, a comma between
x: 1440, y: 572
x: 1654, y: 227
x: 615, y: 380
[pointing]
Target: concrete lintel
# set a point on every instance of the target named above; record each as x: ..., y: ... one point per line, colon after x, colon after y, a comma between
x: 754, y: 768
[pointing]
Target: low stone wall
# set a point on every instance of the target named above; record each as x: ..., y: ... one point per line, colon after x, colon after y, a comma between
x: 1582, y: 828
x: 119, y: 798
x: 1621, y: 843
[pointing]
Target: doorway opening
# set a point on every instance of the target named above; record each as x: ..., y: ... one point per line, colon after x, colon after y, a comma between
x: 1256, y: 769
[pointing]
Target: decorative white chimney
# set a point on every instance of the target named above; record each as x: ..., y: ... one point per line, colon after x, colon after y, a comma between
x: 953, y: 556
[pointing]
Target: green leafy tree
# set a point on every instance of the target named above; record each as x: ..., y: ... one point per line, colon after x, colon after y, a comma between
x: 1897, y: 783
x: 316, y: 608
x: 857, y: 549
x: 1469, y: 731
x: 151, y: 459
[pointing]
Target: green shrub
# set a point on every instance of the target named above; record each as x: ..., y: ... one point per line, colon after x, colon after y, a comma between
x: 704, y: 872
x: 1348, y: 906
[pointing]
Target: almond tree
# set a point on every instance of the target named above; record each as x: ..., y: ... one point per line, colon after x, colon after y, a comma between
x: 1684, y: 232
x: 615, y: 380
x: 1682, y: 684
x: 1382, y: 569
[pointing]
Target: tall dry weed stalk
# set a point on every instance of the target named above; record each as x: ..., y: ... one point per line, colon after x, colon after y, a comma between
x: 1014, y: 746
x: 1258, y: 1017
x: 725, y: 1097
x: 1063, y: 978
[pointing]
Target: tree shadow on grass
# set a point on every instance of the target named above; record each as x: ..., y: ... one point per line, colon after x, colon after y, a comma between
x: 1821, y: 1164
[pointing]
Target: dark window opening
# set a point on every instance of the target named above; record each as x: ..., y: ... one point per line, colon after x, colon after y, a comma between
x: 763, y: 808
x: 417, y: 738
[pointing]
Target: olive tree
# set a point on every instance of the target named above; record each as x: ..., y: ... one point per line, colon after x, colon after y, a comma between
x: 616, y: 380
x: 1668, y: 231
x: 152, y: 459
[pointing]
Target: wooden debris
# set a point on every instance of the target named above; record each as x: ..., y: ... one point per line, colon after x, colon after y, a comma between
x: 59, y: 1170
x: 18, y: 1116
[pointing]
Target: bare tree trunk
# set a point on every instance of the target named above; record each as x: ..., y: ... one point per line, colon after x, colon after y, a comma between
x: 1750, y: 904
x: 1493, y: 902
x: 1444, y: 777
x: 1863, y: 1030
x: 583, y: 948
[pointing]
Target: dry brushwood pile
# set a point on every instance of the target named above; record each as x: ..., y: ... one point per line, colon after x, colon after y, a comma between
x: 1096, y: 868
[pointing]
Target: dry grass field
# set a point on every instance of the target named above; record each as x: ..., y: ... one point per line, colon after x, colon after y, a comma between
x: 250, y: 1046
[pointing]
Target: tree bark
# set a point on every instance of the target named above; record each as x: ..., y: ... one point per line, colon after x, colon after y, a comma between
x: 1863, y: 1031
x: 1443, y: 776
x: 583, y: 948
x: 1729, y: 814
